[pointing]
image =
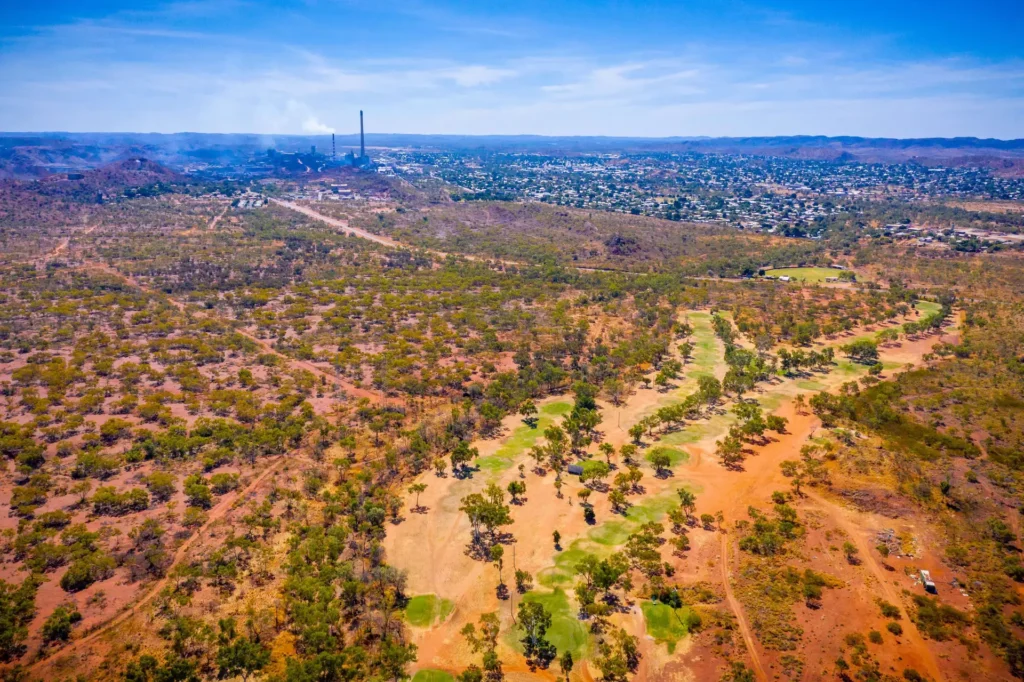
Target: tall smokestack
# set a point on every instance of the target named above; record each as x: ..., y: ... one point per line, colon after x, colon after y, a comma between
x: 362, y: 140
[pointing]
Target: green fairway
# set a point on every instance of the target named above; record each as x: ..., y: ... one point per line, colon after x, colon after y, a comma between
x: 927, y: 307
x: 697, y: 431
x: 705, y: 352
x: 425, y: 610
x: 432, y: 676
x: 602, y: 539
x: 676, y: 456
x: 523, y: 438
x: 567, y: 632
x: 564, y: 570
x: 666, y: 624
x: 804, y: 274
x: 653, y: 508
x: 611, y: 533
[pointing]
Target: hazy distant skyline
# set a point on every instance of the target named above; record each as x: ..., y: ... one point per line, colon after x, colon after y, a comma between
x: 879, y: 69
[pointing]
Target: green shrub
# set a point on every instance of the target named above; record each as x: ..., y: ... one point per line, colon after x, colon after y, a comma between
x: 161, y: 485
x: 58, y: 625
x: 53, y: 519
x: 106, y: 501
x: 17, y: 609
x: 193, y: 517
x: 93, y: 465
x: 198, y: 492
x: 223, y: 483
x: 936, y: 620
x: 87, y: 570
x: 889, y: 610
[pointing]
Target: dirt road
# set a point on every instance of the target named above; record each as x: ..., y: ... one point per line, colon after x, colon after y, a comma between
x: 841, y: 517
x: 737, y: 609
x: 213, y: 223
x: 320, y: 373
x: 217, y: 512
x: 340, y: 224
x: 386, y: 241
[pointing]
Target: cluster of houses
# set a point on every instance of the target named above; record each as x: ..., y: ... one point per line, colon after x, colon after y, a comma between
x: 927, y: 234
x: 251, y: 201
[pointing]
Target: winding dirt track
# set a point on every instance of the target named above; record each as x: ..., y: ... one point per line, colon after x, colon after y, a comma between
x: 737, y: 608
x: 217, y: 512
x: 64, y: 243
x: 342, y: 382
x: 225, y: 504
x: 840, y: 516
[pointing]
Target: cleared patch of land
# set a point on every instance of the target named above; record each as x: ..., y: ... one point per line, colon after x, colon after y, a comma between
x: 432, y: 547
x: 804, y: 274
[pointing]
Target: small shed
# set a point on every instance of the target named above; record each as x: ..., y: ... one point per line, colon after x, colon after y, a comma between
x: 575, y: 469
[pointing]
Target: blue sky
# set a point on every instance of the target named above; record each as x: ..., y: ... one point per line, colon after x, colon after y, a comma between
x: 895, y: 69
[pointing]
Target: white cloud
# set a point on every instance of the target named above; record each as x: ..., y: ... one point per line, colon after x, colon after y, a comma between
x: 113, y: 77
x: 314, y: 126
x: 476, y: 75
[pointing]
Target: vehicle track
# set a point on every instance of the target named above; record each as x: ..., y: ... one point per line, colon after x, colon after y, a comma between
x: 217, y: 512
x: 387, y: 241
x: 737, y: 608
x: 350, y: 388
x: 841, y: 517
x: 340, y: 224
x: 213, y: 223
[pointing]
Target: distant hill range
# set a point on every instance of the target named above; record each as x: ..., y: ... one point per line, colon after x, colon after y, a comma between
x: 90, y: 183
x: 57, y: 197
x: 35, y: 155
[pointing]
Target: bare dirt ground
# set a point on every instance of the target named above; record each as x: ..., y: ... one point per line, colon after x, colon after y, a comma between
x: 431, y: 545
x: 340, y: 224
x: 990, y: 206
x: 87, y: 651
x: 339, y: 381
x: 344, y: 226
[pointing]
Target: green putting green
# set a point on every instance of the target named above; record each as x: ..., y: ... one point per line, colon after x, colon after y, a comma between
x: 566, y: 633
x: 432, y: 676
x: 666, y: 624
x: 425, y: 610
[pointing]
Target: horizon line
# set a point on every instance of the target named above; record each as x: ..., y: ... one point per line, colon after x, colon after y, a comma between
x: 683, y: 138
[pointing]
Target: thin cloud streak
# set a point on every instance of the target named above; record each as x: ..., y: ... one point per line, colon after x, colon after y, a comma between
x: 115, y: 74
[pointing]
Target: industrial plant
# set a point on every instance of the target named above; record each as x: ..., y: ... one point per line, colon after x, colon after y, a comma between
x: 290, y: 162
